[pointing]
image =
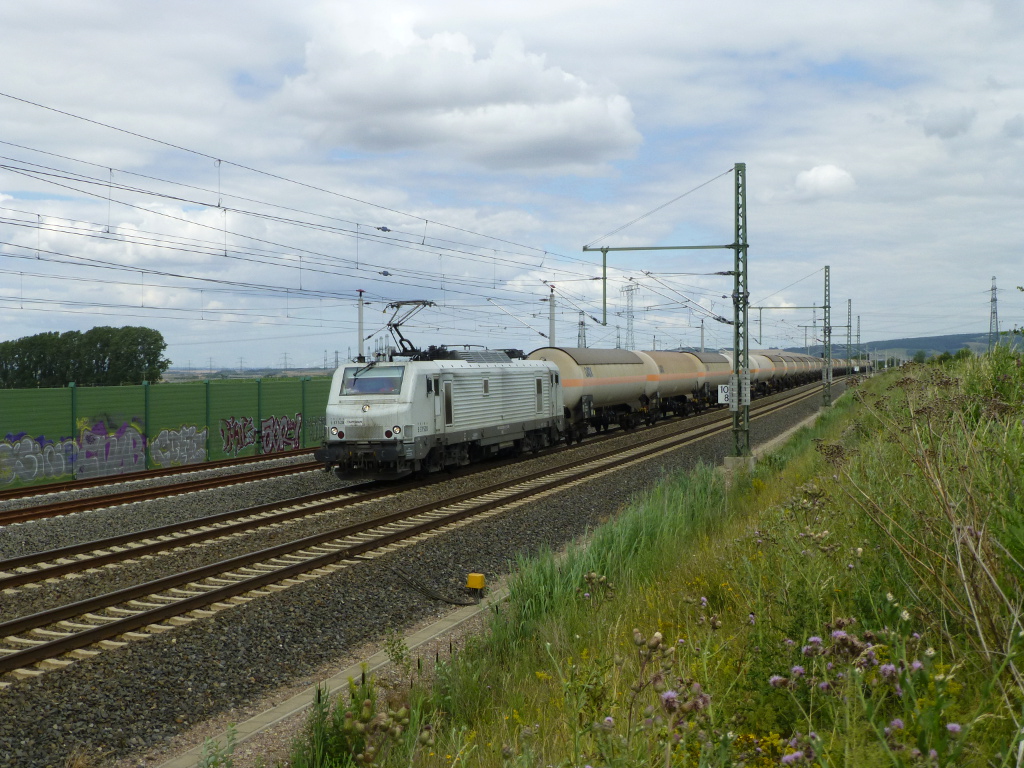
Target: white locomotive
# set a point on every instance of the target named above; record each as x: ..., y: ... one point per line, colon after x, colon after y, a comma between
x: 391, y: 419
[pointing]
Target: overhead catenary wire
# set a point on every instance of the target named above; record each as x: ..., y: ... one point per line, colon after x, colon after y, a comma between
x: 659, y: 208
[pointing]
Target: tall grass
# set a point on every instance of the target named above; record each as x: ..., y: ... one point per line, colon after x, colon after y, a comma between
x: 855, y: 601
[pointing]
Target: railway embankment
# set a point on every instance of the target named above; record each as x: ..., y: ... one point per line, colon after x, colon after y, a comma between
x: 853, y: 601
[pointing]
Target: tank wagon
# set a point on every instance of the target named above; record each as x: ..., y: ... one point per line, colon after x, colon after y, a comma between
x: 391, y: 419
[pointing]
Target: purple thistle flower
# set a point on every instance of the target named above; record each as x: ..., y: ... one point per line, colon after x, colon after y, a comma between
x: 789, y: 642
x: 814, y: 640
x: 703, y: 602
x: 586, y: 594
x: 896, y: 724
x: 916, y: 665
x: 888, y: 670
x: 838, y: 634
x: 797, y: 671
x: 777, y: 681
x: 792, y: 757
x: 953, y: 727
x: 824, y: 685
x: 670, y: 700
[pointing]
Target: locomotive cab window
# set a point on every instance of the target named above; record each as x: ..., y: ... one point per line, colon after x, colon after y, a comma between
x: 540, y: 394
x: 372, y: 380
x: 487, y: 387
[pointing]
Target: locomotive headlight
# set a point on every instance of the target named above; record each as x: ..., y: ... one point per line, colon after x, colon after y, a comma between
x: 396, y: 429
x: 334, y: 431
x: 366, y: 408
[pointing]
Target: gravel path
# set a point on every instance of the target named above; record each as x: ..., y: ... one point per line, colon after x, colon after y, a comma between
x: 137, y: 698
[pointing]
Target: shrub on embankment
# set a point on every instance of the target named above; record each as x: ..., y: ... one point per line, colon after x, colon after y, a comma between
x: 854, y: 602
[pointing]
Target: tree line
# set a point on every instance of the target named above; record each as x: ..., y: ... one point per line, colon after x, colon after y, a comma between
x: 103, y: 356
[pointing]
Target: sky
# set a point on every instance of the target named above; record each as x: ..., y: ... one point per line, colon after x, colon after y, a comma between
x: 233, y: 174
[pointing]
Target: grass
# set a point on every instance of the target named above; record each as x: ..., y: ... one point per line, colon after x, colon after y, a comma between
x: 856, y: 601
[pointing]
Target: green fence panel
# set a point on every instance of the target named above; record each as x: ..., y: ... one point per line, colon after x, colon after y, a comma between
x: 176, y: 424
x: 234, y: 418
x: 51, y: 434
x: 315, y: 411
x: 111, y: 431
x: 37, y: 439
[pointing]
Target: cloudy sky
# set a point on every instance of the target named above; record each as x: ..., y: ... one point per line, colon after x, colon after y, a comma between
x: 233, y: 173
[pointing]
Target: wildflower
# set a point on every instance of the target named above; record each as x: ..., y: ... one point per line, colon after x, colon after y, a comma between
x: 586, y: 595
x: 703, y: 602
x: 953, y: 727
x: 916, y: 636
x: 896, y: 724
x: 929, y: 652
x: 905, y: 615
x: 777, y: 681
x: 860, y: 551
x: 670, y: 700
x: 789, y: 642
x: 792, y: 757
x: 814, y: 640
x: 916, y: 665
x: 849, y: 566
x: 889, y: 597
x: 751, y: 618
x: 838, y: 634
x: 888, y: 670
x: 824, y: 685
x: 797, y: 671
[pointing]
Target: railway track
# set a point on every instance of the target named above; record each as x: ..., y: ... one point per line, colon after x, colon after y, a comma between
x: 64, y: 486
x: 56, y: 638
x: 66, y: 507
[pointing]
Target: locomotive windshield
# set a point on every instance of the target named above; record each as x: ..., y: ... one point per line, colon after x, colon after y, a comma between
x: 373, y: 380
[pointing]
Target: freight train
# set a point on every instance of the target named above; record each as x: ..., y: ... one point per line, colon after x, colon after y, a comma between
x: 391, y: 418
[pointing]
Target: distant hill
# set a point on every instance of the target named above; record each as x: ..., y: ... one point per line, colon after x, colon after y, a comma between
x: 907, y: 348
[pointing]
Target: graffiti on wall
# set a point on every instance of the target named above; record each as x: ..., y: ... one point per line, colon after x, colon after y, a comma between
x: 316, y: 428
x: 102, y: 452
x: 97, y: 452
x: 104, y: 448
x: 281, y: 433
x: 26, y: 459
x: 237, y: 434
x: 178, y: 447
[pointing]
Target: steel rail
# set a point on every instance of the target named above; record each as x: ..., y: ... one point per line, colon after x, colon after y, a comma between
x: 63, y: 486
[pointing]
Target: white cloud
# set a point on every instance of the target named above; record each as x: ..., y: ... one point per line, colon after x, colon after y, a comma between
x: 506, y: 109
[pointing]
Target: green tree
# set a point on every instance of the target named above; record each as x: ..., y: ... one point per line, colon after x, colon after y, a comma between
x: 920, y: 356
x: 101, y: 356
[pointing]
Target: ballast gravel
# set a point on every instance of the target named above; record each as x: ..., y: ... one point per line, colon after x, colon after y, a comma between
x: 130, y: 700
